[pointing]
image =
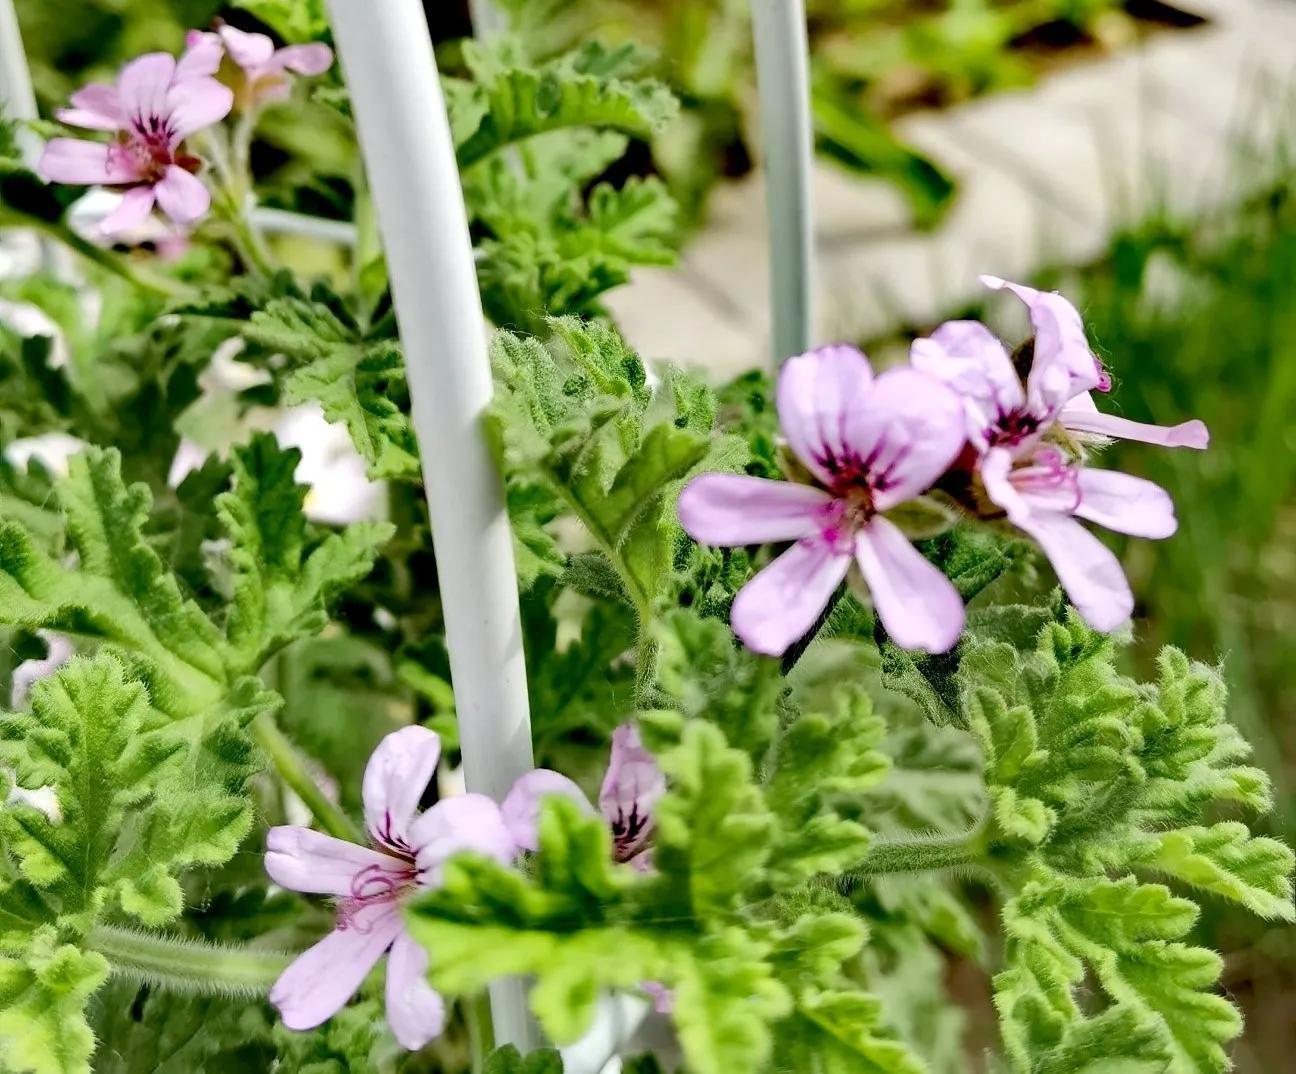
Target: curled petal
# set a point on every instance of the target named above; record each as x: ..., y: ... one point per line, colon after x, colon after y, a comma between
x: 415, y: 1010
x: 1126, y: 504
x: 783, y: 601
x: 1082, y: 416
x: 182, y: 196
x: 817, y: 393
x: 907, y: 430
x: 94, y: 107
x: 1088, y: 570
x: 633, y: 783
x: 134, y: 209
x: 917, y: 604
x: 248, y: 50
x: 521, y: 809
x: 300, y: 859
x: 397, y: 775
x: 468, y: 822
x: 734, y: 509
x: 968, y: 357
x: 319, y: 983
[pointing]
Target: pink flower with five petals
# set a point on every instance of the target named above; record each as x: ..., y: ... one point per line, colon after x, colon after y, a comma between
x: 264, y: 73
x: 155, y: 105
x: 408, y: 851
x: 871, y: 444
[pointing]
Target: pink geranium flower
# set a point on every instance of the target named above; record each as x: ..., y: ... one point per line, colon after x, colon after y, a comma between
x: 631, y: 788
x: 408, y: 852
x: 1002, y: 412
x: 263, y: 73
x: 870, y: 445
x: 155, y: 105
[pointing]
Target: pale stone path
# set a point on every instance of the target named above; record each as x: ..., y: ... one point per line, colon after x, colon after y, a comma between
x: 1186, y: 122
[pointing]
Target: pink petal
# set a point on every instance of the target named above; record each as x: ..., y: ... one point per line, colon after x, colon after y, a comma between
x: 908, y: 427
x: 734, y: 509
x: 143, y: 84
x: 312, y: 59
x: 521, y: 809
x: 319, y: 983
x: 196, y: 103
x: 1089, y: 572
x: 69, y: 160
x: 397, y: 775
x: 783, y: 601
x: 968, y: 357
x: 300, y: 859
x: 917, y: 604
x: 1088, y: 419
x: 245, y: 49
x: 415, y: 1011
x: 468, y: 822
x: 94, y: 107
x: 1064, y: 366
x: 817, y: 392
x: 136, y: 204
x: 202, y: 56
x: 1126, y: 504
x: 182, y: 195
x: 634, y: 783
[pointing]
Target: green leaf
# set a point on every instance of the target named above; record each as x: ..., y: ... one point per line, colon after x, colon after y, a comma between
x: 281, y: 591
x: 840, y: 1033
x: 43, y: 993
x: 293, y: 20
x: 508, y: 1060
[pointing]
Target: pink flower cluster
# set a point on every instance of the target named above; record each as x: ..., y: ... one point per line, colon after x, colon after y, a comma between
x: 959, y: 409
x: 408, y: 851
x: 157, y: 103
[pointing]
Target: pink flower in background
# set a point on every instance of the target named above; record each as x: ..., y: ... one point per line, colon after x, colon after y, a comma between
x: 152, y: 109
x: 408, y: 852
x: 1044, y: 496
x: 870, y: 444
x: 1002, y: 412
x: 264, y: 72
x: 631, y: 788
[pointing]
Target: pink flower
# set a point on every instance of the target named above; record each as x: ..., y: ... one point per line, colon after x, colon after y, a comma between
x: 409, y: 850
x: 631, y: 788
x: 263, y: 71
x: 1002, y: 412
x: 870, y: 444
x: 155, y: 105
x: 1045, y: 494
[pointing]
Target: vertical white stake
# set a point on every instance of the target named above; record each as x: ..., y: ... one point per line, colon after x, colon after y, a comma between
x: 487, y: 19
x: 386, y: 54
x: 16, y: 95
x: 783, y: 79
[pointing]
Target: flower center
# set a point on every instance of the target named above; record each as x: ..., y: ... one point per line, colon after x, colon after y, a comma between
x: 1014, y: 427
x: 372, y: 886
x: 630, y: 833
x: 148, y: 145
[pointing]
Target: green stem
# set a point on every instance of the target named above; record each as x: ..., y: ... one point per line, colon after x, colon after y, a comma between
x: 918, y: 855
x: 481, y: 1030
x: 106, y: 259
x: 178, y: 964
x: 292, y: 770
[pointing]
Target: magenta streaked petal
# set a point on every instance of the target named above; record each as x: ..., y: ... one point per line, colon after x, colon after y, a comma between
x: 521, y: 808
x: 195, y: 103
x: 918, y: 605
x: 817, y: 393
x: 202, y: 56
x: 468, y: 822
x: 70, y: 160
x: 182, y: 196
x: 415, y: 1010
x: 734, y: 509
x: 1189, y: 434
x: 136, y: 204
x: 309, y: 60
x: 910, y: 427
x: 783, y: 601
x: 395, y: 778
x: 631, y: 789
x: 142, y: 87
x: 1088, y: 570
x: 301, y: 859
x: 1126, y: 504
x: 321, y: 981
x: 968, y: 357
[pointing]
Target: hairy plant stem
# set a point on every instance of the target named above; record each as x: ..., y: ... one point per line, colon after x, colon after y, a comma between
x: 481, y: 1030
x: 105, y: 259
x: 292, y: 770
x: 179, y: 964
x: 918, y: 855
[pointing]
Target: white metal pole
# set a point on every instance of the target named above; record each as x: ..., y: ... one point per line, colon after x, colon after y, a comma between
x: 487, y: 19
x: 16, y: 94
x: 386, y: 54
x: 783, y: 79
